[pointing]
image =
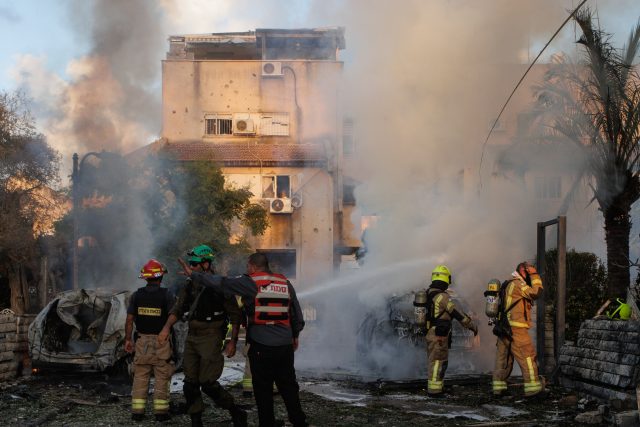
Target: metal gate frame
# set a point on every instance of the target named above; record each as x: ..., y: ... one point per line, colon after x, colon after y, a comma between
x: 561, y: 290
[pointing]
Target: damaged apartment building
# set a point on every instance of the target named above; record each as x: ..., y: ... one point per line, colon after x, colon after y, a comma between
x: 265, y: 106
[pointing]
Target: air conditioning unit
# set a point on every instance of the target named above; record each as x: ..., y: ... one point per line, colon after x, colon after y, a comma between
x: 243, y: 126
x: 280, y: 206
x: 296, y: 201
x: 271, y: 69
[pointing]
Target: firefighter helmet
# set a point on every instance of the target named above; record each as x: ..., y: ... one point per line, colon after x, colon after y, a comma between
x: 152, y: 270
x: 200, y: 253
x: 442, y: 273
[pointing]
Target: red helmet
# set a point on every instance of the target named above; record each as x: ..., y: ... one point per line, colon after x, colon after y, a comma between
x: 152, y: 269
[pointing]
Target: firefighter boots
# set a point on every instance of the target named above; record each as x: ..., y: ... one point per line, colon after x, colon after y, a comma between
x: 238, y: 416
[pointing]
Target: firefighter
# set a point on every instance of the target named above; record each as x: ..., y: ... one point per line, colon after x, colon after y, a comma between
x: 247, y: 382
x: 149, y: 309
x: 274, y: 323
x: 440, y: 313
x: 207, y: 312
x: 516, y: 298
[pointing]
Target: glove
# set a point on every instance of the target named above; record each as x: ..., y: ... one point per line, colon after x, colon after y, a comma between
x: 469, y: 324
x: 473, y: 327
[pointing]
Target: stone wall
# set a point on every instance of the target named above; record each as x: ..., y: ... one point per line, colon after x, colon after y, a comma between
x: 14, y: 351
x: 605, y: 359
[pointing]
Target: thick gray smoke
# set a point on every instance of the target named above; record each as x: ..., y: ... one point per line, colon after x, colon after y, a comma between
x: 424, y: 82
x: 109, y: 98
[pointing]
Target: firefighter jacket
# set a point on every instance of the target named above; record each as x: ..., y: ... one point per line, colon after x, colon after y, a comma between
x: 275, y: 334
x: 205, y: 305
x: 442, y: 310
x: 150, y: 305
x: 519, y: 297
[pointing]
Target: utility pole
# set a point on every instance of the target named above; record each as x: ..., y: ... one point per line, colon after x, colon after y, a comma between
x: 75, y: 195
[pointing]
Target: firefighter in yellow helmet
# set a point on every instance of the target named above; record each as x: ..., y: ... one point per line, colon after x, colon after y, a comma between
x: 512, y: 328
x: 440, y: 313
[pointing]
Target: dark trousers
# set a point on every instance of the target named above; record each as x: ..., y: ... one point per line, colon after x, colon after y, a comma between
x: 275, y: 364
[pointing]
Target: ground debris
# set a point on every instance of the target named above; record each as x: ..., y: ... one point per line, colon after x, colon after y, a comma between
x: 51, y: 414
x: 82, y: 400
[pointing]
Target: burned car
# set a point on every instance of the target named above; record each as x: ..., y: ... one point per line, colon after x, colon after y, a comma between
x: 390, y: 343
x: 84, y: 330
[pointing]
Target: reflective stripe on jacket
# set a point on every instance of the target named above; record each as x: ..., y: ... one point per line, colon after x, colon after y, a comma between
x: 272, y: 300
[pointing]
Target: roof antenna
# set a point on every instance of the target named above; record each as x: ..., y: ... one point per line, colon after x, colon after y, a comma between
x: 495, y: 122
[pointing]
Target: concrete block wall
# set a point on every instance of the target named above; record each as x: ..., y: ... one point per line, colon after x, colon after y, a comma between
x: 605, y: 359
x: 14, y: 351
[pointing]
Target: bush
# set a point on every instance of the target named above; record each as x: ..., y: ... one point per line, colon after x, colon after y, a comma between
x: 586, y: 287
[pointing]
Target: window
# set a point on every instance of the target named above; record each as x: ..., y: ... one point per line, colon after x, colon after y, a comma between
x: 218, y: 124
x: 276, y: 186
x: 348, y: 144
x: 547, y: 187
x: 281, y: 261
x: 348, y: 195
x: 274, y: 124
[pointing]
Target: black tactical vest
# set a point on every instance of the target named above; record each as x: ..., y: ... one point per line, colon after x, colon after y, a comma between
x: 210, y: 306
x: 151, y: 309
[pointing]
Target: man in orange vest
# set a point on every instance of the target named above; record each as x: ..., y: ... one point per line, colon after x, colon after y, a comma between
x: 274, y: 324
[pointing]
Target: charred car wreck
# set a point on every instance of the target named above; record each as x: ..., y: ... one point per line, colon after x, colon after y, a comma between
x: 391, y: 342
x: 84, y: 330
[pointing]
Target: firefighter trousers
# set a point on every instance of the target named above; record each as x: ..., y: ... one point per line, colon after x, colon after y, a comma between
x: 522, y: 350
x: 437, y: 361
x: 247, y: 384
x: 203, y: 364
x: 151, y: 358
x: 271, y: 364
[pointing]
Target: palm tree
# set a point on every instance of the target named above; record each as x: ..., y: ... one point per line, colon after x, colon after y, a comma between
x: 599, y: 100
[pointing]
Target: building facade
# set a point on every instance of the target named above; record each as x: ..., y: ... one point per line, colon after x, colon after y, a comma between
x: 265, y: 105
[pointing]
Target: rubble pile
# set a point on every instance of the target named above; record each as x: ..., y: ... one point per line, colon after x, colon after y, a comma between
x: 604, y: 361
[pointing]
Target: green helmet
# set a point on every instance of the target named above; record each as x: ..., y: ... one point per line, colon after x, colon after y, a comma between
x: 619, y: 310
x: 200, y: 253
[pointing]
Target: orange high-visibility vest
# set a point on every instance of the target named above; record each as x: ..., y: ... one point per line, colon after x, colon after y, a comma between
x: 272, y: 300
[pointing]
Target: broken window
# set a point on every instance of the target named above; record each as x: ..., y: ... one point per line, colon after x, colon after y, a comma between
x: 281, y: 261
x: 218, y: 124
x: 276, y: 186
x: 547, y: 187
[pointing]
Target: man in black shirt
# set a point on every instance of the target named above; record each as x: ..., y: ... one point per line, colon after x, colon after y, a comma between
x: 149, y: 309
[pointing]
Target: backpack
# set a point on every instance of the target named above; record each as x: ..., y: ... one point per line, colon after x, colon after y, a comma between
x: 501, y: 327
